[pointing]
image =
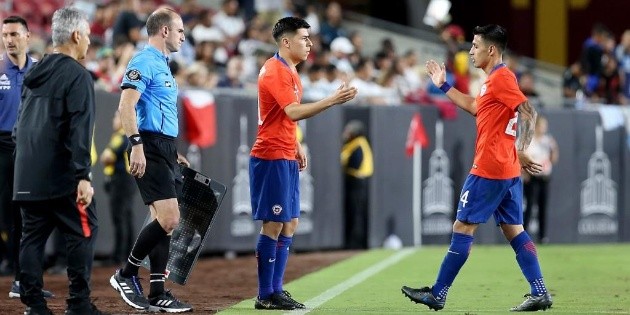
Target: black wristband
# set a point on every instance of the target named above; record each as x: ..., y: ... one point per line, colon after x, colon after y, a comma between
x: 135, y: 139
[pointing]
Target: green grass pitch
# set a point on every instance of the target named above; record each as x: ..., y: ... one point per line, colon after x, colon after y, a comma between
x: 583, y: 279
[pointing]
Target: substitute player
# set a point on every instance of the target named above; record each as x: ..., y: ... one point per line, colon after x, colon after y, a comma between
x: 493, y: 187
x: 277, y: 157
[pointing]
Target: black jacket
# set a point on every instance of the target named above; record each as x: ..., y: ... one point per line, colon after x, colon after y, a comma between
x: 54, y: 128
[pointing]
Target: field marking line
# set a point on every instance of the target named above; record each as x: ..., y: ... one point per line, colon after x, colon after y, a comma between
x: 354, y: 280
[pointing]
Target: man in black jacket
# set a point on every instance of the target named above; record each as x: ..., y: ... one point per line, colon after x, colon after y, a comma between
x: 52, y: 170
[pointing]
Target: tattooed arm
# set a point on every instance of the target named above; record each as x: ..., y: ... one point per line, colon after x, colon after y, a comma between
x: 527, y: 114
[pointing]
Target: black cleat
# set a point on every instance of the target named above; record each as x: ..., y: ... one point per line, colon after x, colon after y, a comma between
x: 534, y: 303
x: 286, y: 296
x: 423, y: 296
x: 168, y: 303
x: 130, y: 290
x: 277, y: 301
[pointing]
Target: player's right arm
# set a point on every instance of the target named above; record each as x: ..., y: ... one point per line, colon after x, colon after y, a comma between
x: 127, y: 107
x: 437, y: 73
x: 297, y: 111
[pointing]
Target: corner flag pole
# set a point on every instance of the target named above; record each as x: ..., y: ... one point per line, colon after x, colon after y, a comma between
x: 417, y: 194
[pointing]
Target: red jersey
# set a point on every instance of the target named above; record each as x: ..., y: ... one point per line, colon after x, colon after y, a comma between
x: 278, y: 86
x: 495, y: 150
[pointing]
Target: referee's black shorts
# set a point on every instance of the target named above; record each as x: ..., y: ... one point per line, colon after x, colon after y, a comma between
x: 160, y: 176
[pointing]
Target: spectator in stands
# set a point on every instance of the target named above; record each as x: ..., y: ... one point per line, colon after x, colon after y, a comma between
x: 269, y: 11
x: 230, y: 23
x: 591, y: 57
x: 341, y: 48
x: 205, y: 30
x: 622, y: 53
x: 527, y: 85
x: 544, y: 150
x: 128, y: 23
x: 609, y: 87
x: 371, y: 93
x: 392, y: 81
x: 314, y: 83
x: 232, y: 76
x: 331, y: 26
x: 572, y: 82
x: 457, y: 58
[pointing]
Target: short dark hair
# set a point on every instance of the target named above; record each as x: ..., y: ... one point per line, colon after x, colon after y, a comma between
x: 159, y: 18
x: 288, y: 25
x: 494, y: 34
x: 16, y: 19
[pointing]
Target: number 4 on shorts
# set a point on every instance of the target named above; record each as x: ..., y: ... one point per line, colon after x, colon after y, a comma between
x: 464, y: 198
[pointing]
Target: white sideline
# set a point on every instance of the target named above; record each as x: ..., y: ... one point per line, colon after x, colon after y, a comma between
x: 354, y: 280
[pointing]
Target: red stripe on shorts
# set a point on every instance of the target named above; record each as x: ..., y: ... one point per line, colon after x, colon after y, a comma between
x: 87, y: 232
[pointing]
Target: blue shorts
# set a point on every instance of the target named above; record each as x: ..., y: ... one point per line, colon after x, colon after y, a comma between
x: 274, y: 189
x: 483, y: 197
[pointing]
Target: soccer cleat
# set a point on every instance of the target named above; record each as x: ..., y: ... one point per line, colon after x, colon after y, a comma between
x: 15, y: 292
x: 130, y: 290
x: 166, y: 302
x: 423, y: 296
x: 286, y: 296
x: 277, y: 301
x: 534, y: 303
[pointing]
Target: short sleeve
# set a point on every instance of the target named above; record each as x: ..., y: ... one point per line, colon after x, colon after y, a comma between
x: 282, y: 87
x: 137, y: 75
x: 506, y: 87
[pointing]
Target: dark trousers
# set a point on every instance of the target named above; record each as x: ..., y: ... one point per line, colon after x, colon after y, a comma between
x: 10, y: 217
x: 79, y: 229
x: 535, y: 192
x: 356, y: 212
x: 121, y: 192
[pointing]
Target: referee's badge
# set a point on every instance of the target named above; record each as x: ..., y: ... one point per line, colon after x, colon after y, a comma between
x: 276, y: 209
x: 133, y: 75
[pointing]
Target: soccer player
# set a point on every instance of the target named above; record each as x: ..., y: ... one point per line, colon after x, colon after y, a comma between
x: 277, y: 157
x: 493, y: 187
x: 148, y: 111
x: 14, y: 64
x: 53, y: 135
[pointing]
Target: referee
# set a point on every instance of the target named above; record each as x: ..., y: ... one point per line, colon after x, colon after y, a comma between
x: 148, y: 110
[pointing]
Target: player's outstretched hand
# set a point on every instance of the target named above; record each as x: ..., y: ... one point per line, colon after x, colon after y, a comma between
x: 527, y: 164
x: 344, y: 94
x: 436, y: 72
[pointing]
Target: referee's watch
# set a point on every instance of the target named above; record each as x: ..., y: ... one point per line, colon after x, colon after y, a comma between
x: 135, y: 139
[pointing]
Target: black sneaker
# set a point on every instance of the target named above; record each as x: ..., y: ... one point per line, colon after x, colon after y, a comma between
x: 130, y: 290
x: 423, y: 296
x: 15, y: 292
x: 285, y: 295
x: 38, y: 311
x: 277, y: 301
x: 90, y: 309
x: 166, y: 302
x: 534, y: 303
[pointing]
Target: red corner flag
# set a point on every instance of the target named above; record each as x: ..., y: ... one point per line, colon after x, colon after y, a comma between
x: 416, y: 134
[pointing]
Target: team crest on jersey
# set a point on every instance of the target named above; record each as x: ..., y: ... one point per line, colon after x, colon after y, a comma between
x: 483, y: 90
x: 276, y: 209
x: 133, y: 75
x: 167, y: 84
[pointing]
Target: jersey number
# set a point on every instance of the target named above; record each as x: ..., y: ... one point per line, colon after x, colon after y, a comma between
x: 464, y: 198
x: 510, y: 129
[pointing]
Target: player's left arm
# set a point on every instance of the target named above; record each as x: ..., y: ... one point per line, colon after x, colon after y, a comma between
x: 527, y: 114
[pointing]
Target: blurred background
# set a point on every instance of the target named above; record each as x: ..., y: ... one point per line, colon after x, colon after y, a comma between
x: 571, y: 57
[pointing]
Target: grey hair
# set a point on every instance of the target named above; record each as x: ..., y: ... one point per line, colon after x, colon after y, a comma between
x: 66, y: 21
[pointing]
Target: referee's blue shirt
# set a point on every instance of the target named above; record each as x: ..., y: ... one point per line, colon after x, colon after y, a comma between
x: 148, y: 73
x: 11, y: 78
